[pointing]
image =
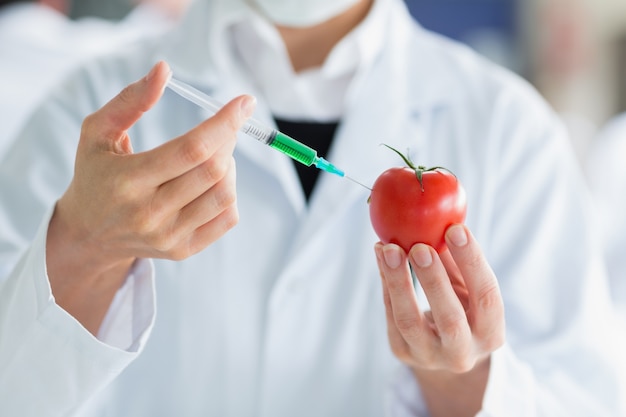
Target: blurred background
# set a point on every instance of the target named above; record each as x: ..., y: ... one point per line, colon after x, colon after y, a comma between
x: 573, y: 51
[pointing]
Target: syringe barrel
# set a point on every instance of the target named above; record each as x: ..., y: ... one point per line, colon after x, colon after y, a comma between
x: 252, y: 127
x: 194, y: 95
x: 294, y: 149
x: 257, y: 130
x: 264, y: 134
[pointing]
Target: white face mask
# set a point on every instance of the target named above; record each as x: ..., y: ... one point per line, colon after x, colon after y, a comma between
x: 302, y: 13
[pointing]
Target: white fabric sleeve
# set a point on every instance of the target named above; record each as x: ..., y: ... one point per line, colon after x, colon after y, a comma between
x: 515, y: 389
x: 49, y: 363
x: 132, y: 310
x: 512, y: 391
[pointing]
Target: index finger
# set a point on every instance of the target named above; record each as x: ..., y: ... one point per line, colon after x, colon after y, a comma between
x: 180, y: 155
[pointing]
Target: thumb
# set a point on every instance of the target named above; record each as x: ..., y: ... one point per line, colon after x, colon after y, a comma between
x: 111, y: 122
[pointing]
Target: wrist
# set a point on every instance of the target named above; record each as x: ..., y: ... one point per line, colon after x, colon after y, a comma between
x: 83, y: 278
x: 71, y: 247
x: 444, y: 391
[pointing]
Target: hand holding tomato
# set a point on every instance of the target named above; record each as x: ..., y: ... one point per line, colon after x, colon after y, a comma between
x: 449, y: 346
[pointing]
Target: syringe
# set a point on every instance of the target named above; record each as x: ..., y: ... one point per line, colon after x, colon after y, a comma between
x: 264, y: 134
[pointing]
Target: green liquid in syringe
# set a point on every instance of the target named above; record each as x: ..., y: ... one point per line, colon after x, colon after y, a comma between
x: 303, y: 154
x: 296, y: 150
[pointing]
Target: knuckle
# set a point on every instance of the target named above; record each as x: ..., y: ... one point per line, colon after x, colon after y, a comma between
x: 230, y: 218
x: 223, y: 195
x: 459, y: 359
x: 225, y: 198
x: 142, y: 226
x: 194, y: 152
x: 179, y: 253
x: 148, y: 219
x: 216, y: 228
x: 143, y: 223
x: 158, y: 237
x: 454, y: 328
x: 399, y: 286
x: 461, y: 363
x: 222, y: 127
x: 124, y: 187
x: 401, y: 352
x: 489, y: 299
x: 89, y: 122
x: 406, y: 324
x: 215, y: 169
x: 475, y: 261
x: 231, y: 123
x: 494, y: 342
x: 192, y: 248
x: 126, y: 95
x: 163, y: 243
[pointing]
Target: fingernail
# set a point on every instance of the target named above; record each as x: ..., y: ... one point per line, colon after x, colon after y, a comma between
x: 248, y: 104
x: 456, y: 235
x: 421, y: 256
x: 393, y: 257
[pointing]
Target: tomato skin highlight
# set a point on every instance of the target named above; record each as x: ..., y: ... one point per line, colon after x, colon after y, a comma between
x: 405, y: 212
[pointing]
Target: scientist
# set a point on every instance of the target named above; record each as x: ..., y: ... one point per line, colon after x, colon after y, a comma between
x: 110, y: 207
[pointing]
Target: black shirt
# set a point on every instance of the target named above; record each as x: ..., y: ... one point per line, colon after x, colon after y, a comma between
x: 318, y: 136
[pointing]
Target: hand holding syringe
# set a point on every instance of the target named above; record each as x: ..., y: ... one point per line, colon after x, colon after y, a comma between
x: 264, y: 134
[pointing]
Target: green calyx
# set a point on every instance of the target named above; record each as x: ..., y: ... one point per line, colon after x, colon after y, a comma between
x: 419, y: 170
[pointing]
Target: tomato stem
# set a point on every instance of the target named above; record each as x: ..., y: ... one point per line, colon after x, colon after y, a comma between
x: 420, y: 169
x: 405, y: 158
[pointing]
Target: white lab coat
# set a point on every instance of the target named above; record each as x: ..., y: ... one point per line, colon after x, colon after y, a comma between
x: 284, y: 315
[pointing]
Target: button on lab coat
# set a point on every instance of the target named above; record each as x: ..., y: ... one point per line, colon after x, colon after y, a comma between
x: 284, y: 315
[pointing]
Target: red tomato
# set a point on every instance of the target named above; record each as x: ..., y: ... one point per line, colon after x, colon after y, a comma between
x: 406, y: 211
